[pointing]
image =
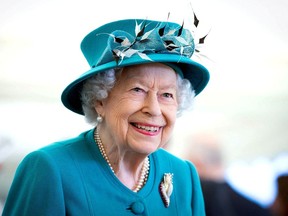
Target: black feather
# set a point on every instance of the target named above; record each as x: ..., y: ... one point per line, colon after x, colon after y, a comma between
x: 196, y: 21
x: 201, y: 40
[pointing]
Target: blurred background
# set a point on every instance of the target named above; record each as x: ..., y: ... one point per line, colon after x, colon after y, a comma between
x: 244, y: 106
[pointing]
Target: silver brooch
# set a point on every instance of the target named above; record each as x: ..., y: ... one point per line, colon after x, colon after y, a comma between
x: 166, y: 188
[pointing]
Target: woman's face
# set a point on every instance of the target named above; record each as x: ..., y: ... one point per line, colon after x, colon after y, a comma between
x: 140, y: 111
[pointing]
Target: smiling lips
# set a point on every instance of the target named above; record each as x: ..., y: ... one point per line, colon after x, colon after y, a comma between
x: 147, y: 128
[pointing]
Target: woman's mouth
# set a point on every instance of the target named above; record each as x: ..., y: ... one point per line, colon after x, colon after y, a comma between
x: 147, y: 128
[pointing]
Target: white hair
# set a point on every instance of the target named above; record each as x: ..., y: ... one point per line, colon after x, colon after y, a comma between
x: 97, y: 88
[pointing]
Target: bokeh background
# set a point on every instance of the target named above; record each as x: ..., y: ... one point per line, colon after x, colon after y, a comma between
x: 245, y: 103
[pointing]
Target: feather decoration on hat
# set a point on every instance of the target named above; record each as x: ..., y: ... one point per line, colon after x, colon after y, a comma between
x: 163, y: 39
x: 199, y: 40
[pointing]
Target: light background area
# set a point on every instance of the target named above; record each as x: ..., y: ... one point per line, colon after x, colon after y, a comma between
x: 245, y: 103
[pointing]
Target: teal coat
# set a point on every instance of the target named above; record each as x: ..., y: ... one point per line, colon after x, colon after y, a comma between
x: 72, y: 178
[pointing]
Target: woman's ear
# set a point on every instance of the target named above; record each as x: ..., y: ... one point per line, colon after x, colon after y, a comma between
x: 99, y: 107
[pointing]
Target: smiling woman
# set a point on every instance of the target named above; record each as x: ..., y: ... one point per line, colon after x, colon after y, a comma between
x: 246, y: 101
x: 141, y: 78
x: 138, y: 110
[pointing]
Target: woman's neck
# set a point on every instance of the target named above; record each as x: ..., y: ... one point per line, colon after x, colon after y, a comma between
x: 132, y: 169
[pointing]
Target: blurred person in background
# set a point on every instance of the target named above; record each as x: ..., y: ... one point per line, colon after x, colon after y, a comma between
x: 141, y: 78
x: 204, y: 150
x: 280, y: 205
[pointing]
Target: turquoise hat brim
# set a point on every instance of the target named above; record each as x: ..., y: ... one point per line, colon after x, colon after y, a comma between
x: 196, y: 73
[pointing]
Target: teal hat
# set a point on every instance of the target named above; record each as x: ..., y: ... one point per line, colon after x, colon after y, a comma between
x: 133, y: 42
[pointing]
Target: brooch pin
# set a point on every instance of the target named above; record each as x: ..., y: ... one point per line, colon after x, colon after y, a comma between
x: 166, y: 188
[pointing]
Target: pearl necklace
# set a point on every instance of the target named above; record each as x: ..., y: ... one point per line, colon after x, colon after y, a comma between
x: 144, y: 171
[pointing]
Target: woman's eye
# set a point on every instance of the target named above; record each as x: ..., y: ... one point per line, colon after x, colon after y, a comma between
x: 168, y: 95
x: 137, y: 89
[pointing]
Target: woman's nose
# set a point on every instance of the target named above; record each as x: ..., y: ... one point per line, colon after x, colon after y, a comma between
x: 151, y: 105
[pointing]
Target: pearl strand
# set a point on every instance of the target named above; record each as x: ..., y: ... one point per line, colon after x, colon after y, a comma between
x: 144, y: 171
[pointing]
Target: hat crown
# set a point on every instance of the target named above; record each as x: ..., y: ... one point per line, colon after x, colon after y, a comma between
x: 125, y: 38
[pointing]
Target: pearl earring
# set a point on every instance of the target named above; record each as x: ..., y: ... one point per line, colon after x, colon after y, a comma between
x: 99, y: 119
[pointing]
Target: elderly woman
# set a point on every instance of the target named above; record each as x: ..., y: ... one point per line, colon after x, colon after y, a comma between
x: 141, y: 78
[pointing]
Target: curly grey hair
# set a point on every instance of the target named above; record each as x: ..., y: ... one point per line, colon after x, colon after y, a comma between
x: 97, y: 88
